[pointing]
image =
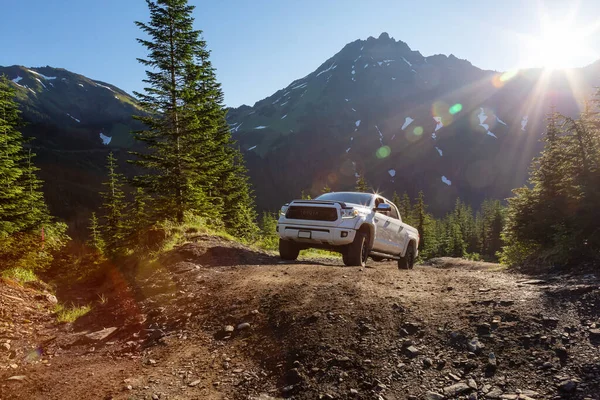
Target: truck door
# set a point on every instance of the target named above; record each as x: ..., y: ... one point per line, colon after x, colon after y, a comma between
x: 382, y: 241
x: 396, y: 230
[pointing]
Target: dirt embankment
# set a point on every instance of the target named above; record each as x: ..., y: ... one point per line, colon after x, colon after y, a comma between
x: 215, y: 320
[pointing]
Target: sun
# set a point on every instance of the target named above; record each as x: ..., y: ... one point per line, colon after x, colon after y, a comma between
x: 560, y: 44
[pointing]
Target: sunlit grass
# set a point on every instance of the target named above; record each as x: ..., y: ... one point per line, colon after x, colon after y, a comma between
x: 21, y: 275
x: 70, y: 314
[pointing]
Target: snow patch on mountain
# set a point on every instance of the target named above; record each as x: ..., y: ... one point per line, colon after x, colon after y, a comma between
x: 407, y: 122
x: 433, y: 136
x: 492, y: 135
x: 348, y: 149
x: 524, y: 122
x: 236, y: 127
x: 104, y: 87
x: 439, y: 124
x: 105, y: 139
x: 357, y: 123
x: 299, y: 86
x: 43, y: 76
x: 392, y: 172
x: 439, y: 151
x: 500, y: 121
x: 482, y: 116
x: 356, y: 59
x: 252, y: 148
x: 17, y: 80
x: 366, y: 65
x: 42, y: 83
x: 331, y: 68
x: 353, y: 109
x: 283, y: 104
x: 446, y: 181
x: 75, y: 119
x: 393, y: 78
x: 353, y: 72
x: 284, y: 116
x: 380, y: 135
x: 260, y: 127
x: 408, y: 62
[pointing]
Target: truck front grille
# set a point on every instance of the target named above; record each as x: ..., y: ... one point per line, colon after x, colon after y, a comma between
x: 312, y: 213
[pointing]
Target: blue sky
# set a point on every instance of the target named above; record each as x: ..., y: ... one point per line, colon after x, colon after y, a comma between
x: 259, y: 46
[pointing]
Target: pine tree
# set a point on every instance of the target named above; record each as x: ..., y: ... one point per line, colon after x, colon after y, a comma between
x: 361, y: 185
x: 406, y: 211
x: 420, y: 212
x: 239, y: 214
x: 95, y: 240
x: 113, y: 205
x: 326, y: 189
x: 187, y: 159
x: 22, y: 206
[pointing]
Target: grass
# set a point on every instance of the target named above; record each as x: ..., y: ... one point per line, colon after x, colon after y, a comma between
x: 21, y: 275
x: 70, y: 314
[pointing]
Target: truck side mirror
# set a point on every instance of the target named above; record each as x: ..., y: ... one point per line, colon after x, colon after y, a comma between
x: 383, y: 207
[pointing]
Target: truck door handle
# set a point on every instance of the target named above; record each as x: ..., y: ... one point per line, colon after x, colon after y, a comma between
x: 387, y: 223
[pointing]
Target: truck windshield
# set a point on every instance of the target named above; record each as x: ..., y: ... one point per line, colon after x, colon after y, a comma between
x: 364, y: 199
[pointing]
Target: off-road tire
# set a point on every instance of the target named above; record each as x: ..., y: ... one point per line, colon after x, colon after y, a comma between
x: 408, y: 261
x: 288, y: 250
x: 357, y: 252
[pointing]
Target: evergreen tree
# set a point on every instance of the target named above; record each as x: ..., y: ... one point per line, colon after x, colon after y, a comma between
x: 22, y: 206
x: 406, y: 211
x: 420, y: 212
x: 361, y: 185
x: 189, y: 161
x: 326, y: 189
x: 95, y: 240
x: 113, y: 205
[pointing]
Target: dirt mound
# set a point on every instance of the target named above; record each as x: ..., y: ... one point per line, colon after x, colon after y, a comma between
x: 217, y: 320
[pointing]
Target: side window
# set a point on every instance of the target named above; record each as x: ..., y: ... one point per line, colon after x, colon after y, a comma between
x: 394, y: 212
x: 378, y: 201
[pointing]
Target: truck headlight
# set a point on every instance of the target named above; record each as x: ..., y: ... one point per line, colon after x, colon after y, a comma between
x: 283, y: 211
x: 349, y: 214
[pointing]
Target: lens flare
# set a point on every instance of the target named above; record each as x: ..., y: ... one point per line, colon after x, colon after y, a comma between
x: 508, y: 75
x: 455, y: 109
x: 418, y: 130
x: 383, y: 152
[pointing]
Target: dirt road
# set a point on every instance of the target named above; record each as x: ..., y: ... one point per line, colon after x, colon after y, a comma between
x: 214, y: 320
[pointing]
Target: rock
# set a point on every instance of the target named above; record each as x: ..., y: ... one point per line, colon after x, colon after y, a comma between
x: 16, y: 378
x: 427, y: 362
x: 152, y: 362
x: 475, y: 345
x: 492, y: 363
x: 228, y: 328
x: 412, y: 327
x: 195, y: 383
x: 353, y: 391
x: 155, y: 397
x: 472, y: 384
x: 293, y: 376
x: 5, y: 346
x: 101, y: 335
x: 243, y: 325
x: 433, y: 396
x: 14, y: 366
x: 473, y: 396
x: 412, y: 351
x: 484, y: 329
x: 568, y: 385
x: 562, y: 353
x: 254, y: 312
x: 128, y: 387
x: 594, y: 334
x: 495, y: 393
x: 51, y: 298
x: 454, y: 390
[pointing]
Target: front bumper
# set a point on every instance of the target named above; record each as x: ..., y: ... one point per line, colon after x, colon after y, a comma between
x: 333, y: 236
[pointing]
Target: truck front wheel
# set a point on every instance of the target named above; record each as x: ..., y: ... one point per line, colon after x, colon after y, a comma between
x: 288, y: 250
x: 357, y: 252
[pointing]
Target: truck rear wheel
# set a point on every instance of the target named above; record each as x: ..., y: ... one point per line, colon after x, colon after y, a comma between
x: 288, y: 250
x: 357, y: 252
x: 408, y: 261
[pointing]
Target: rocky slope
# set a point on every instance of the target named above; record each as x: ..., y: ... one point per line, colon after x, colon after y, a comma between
x: 407, y: 122
x: 216, y: 320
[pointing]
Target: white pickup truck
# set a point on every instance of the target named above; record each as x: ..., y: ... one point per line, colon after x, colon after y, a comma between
x: 358, y: 225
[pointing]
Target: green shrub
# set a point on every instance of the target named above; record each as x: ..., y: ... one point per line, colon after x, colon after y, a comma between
x: 20, y: 275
